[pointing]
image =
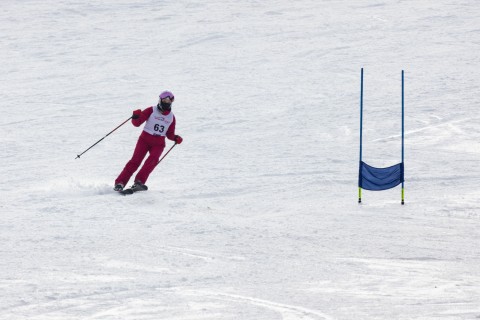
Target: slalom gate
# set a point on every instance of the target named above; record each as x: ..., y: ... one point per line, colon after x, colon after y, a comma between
x: 377, y: 179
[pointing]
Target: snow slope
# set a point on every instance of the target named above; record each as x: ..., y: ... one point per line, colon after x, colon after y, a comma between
x: 255, y: 215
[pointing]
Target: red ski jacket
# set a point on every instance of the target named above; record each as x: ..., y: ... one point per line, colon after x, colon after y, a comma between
x: 145, y: 114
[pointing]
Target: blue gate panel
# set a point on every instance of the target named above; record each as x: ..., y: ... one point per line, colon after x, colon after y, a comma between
x: 371, y: 178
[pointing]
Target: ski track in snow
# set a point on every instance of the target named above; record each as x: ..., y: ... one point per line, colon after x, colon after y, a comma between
x: 286, y: 311
x: 254, y: 216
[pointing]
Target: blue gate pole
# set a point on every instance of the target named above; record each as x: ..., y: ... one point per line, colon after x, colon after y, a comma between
x: 361, y: 129
x: 403, y: 137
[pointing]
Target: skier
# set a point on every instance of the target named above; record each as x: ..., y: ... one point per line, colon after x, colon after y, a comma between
x: 160, y: 123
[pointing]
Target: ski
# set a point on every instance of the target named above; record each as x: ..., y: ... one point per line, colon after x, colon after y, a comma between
x: 133, y: 189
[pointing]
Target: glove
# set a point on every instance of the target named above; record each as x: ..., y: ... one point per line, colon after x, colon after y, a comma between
x: 178, y: 139
x: 136, y: 114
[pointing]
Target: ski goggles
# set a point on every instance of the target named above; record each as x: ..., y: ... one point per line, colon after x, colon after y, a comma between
x: 166, y: 95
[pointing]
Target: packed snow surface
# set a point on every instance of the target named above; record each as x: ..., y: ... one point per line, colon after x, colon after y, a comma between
x: 255, y: 214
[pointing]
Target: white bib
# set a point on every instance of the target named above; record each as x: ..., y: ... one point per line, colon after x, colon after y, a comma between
x: 157, y: 124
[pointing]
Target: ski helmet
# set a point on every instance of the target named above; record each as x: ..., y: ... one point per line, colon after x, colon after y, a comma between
x: 167, y: 94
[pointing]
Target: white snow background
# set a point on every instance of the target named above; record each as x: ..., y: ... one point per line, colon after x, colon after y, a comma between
x: 255, y: 215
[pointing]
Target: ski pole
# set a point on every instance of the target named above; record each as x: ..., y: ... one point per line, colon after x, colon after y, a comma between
x: 93, y: 145
x: 166, y: 154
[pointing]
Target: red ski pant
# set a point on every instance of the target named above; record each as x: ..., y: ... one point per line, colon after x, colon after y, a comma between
x: 146, y: 143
